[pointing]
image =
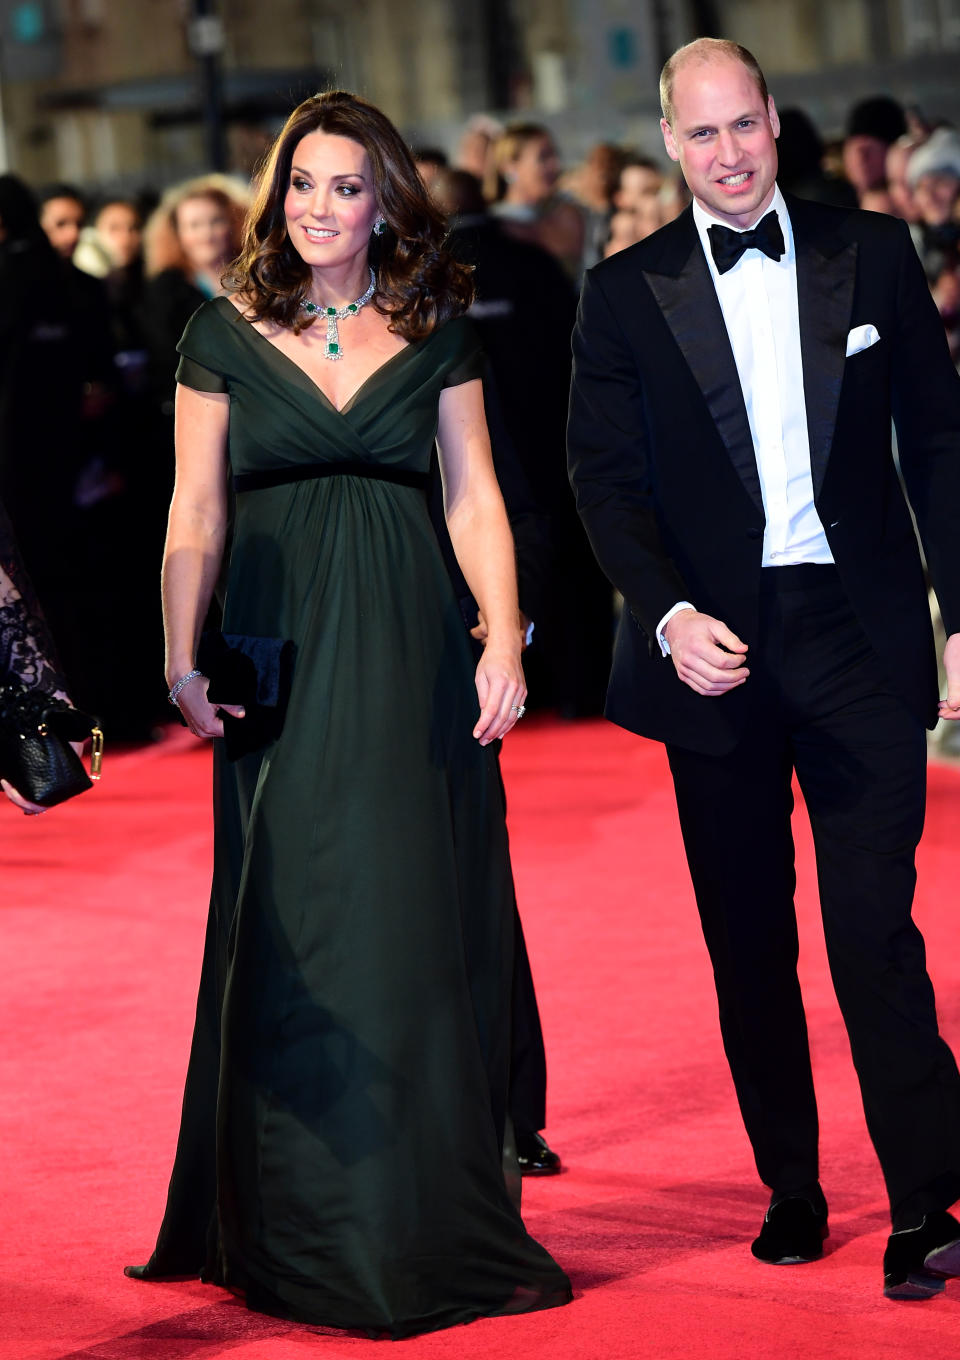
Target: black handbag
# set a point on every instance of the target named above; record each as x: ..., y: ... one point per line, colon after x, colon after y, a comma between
x: 256, y: 672
x: 35, y: 756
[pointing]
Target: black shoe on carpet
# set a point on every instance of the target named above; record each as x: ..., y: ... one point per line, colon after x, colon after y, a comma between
x: 918, y: 1261
x: 535, y: 1157
x: 793, y: 1232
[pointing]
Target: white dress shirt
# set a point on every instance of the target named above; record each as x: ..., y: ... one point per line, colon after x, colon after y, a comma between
x: 758, y: 299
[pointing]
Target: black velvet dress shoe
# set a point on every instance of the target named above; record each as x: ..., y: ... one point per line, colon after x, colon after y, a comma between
x: 793, y: 1232
x: 918, y: 1261
x: 535, y: 1157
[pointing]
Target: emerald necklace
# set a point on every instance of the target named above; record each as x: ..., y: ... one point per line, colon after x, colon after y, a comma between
x: 332, y: 315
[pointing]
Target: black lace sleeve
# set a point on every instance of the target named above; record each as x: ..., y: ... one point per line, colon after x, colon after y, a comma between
x: 27, y: 652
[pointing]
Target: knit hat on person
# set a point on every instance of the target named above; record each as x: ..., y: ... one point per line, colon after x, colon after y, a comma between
x: 939, y: 155
x: 880, y: 117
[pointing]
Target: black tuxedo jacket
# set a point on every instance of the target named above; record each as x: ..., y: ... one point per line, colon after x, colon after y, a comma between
x: 663, y: 467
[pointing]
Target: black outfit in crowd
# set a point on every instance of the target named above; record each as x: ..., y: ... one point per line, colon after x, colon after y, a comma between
x: 41, y: 394
x: 69, y: 473
x: 524, y: 313
x: 27, y: 653
x: 169, y: 301
x: 843, y: 675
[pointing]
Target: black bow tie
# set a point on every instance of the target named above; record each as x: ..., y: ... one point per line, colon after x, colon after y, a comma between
x: 727, y: 246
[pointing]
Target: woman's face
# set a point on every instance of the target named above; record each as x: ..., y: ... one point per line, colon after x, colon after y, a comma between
x: 639, y: 184
x: 62, y: 220
x: 205, y: 232
x: 534, y: 173
x: 936, y: 196
x: 118, y: 227
x: 330, y: 205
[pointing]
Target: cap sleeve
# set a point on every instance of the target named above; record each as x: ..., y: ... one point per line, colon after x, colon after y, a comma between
x: 200, y: 348
x: 467, y: 359
x: 200, y: 378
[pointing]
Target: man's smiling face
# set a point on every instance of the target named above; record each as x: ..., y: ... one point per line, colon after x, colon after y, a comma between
x: 724, y: 139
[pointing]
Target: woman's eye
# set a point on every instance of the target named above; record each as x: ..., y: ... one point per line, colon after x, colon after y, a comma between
x: 300, y: 184
x: 347, y: 190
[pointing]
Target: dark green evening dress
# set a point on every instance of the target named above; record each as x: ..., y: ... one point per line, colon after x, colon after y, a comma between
x: 340, y: 1153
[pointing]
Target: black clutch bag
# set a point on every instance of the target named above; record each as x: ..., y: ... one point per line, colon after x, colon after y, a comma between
x: 35, y: 756
x: 255, y: 672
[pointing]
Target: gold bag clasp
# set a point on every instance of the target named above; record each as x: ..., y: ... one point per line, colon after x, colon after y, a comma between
x: 96, y: 752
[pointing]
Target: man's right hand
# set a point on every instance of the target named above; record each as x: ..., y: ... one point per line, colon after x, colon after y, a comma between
x: 707, y: 656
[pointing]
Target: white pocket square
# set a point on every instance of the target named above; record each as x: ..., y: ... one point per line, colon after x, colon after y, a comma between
x: 861, y: 337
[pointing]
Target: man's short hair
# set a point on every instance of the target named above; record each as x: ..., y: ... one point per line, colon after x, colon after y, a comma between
x: 706, y: 49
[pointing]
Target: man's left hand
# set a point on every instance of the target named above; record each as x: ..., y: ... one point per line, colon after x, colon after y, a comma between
x: 950, y: 706
x: 480, y: 631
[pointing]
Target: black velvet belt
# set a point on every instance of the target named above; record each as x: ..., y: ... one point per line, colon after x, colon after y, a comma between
x: 308, y: 472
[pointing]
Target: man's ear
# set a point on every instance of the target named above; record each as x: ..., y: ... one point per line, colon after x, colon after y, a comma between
x: 773, y: 115
x: 669, y: 140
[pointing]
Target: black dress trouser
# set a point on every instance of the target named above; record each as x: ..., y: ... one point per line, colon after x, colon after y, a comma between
x: 820, y: 707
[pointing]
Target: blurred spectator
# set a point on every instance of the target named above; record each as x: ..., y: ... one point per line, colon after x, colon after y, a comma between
x: 522, y: 188
x: 120, y: 231
x: 189, y: 240
x: 639, y: 185
x: 800, y: 151
x: 112, y: 250
x: 638, y: 204
x: 593, y: 184
x: 40, y: 386
x: 191, y: 237
x: 674, y: 196
x: 872, y: 128
x: 877, y: 200
x: 429, y: 160
x: 933, y: 175
x: 524, y: 311
x: 898, y: 158
x: 44, y: 335
x: 624, y: 230
x: 946, y: 294
x: 62, y: 215
x: 476, y: 146
x: 27, y: 653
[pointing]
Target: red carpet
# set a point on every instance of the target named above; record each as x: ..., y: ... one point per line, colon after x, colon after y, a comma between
x: 103, y: 906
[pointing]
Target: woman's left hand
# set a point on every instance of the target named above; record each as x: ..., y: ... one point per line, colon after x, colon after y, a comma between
x: 502, y: 692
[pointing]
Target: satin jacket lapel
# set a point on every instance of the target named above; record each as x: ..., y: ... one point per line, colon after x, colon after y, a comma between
x: 688, y: 300
x: 826, y: 274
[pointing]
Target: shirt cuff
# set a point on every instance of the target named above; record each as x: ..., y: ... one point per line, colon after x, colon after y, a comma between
x: 664, y: 644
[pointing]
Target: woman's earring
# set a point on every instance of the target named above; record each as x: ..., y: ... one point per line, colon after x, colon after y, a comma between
x: 379, y: 227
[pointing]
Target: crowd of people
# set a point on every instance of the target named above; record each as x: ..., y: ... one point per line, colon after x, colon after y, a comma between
x: 97, y: 294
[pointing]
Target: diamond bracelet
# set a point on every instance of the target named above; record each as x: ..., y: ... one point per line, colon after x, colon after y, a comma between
x: 184, y: 680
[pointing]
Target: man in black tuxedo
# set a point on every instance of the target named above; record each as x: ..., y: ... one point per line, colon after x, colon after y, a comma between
x: 734, y: 379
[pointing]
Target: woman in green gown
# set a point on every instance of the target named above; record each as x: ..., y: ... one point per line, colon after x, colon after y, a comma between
x: 342, y: 1145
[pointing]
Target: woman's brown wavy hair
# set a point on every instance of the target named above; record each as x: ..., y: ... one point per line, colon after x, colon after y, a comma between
x: 419, y: 285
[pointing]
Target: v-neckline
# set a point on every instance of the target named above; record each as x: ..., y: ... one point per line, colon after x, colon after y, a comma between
x: 359, y: 392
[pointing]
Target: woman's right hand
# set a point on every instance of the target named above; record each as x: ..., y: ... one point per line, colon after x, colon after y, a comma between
x: 199, y: 714
x: 24, y: 804
x: 17, y: 799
